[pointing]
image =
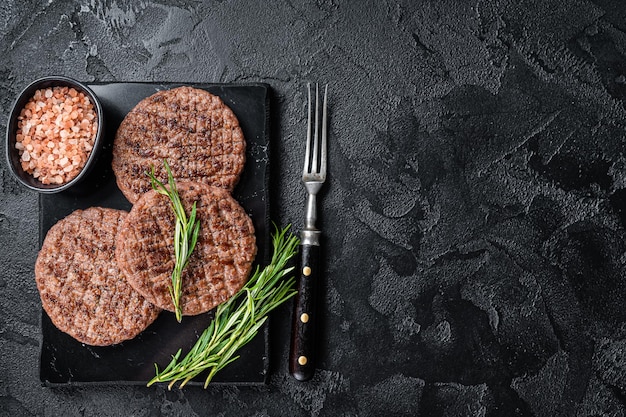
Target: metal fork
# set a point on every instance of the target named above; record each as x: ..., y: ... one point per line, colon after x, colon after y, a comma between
x: 302, y: 352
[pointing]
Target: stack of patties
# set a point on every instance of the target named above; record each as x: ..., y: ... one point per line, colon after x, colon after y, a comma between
x: 201, y: 139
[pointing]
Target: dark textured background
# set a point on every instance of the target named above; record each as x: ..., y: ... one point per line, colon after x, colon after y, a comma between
x: 475, y: 212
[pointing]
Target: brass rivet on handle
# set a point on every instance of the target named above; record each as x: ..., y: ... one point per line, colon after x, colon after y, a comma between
x: 302, y: 360
x: 304, y: 318
x: 306, y: 271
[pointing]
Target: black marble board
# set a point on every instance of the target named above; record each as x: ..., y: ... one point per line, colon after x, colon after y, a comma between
x: 66, y: 361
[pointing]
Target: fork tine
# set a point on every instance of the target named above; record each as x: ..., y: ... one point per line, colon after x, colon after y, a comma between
x: 307, y: 154
x: 324, y: 128
x: 315, y: 162
x: 315, y: 154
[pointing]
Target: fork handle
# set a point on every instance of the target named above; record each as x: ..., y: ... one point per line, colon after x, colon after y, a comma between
x: 302, y: 353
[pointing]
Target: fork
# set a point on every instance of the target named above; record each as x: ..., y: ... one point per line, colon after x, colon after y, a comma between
x: 302, y: 352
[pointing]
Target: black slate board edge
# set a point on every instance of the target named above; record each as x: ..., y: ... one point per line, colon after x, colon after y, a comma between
x: 267, y: 246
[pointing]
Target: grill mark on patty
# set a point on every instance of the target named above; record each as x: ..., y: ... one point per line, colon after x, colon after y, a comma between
x: 82, y: 289
x: 218, y: 267
x: 191, y: 128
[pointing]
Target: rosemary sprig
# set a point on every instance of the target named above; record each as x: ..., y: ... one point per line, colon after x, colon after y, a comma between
x: 237, y: 320
x: 185, y: 234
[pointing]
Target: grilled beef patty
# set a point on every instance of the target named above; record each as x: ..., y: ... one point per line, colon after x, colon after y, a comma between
x: 81, y: 286
x: 219, y: 265
x: 193, y: 129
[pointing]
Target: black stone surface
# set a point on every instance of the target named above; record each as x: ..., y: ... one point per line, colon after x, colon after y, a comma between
x: 475, y: 247
x: 64, y: 360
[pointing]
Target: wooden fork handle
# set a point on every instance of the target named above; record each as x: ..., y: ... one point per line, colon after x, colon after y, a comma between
x: 302, y: 354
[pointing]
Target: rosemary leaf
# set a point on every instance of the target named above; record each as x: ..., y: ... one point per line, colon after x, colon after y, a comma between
x: 238, y: 320
x: 186, y: 231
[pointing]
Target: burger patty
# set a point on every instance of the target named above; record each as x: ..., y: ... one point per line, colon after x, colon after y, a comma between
x: 193, y: 129
x: 81, y: 286
x: 219, y: 265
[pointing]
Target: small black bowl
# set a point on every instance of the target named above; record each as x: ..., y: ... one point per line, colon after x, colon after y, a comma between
x: 12, y: 154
